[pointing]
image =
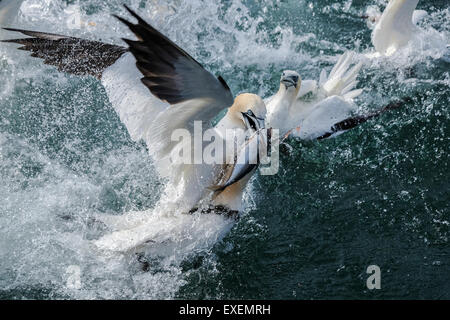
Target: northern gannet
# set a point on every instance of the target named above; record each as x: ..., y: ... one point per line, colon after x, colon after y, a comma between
x: 331, y: 100
x: 182, y: 92
x: 396, y: 26
x: 330, y: 110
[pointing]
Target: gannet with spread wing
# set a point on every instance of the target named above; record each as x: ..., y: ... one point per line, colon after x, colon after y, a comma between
x: 331, y: 100
x: 330, y: 109
x: 183, y: 92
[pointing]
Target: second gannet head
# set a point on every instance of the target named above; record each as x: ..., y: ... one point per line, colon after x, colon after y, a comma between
x: 290, y: 83
x: 247, y: 112
x: 280, y: 104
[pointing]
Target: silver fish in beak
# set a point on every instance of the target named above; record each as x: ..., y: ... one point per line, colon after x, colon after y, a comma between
x: 248, y: 158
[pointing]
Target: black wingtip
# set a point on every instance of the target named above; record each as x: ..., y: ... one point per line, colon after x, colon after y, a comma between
x: 14, y: 29
x: 120, y: 18
x: 138, y: 17
x: 125, y: 22
x: 132, y: 12
x: 355, y: 121
x: 11, y: 40
x: 128, y: 8
x: 224, y: 83
x: 127, y: 41
x: 23, y: 31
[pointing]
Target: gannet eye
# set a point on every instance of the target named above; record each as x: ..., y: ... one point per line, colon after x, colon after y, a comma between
x: 250, y: 113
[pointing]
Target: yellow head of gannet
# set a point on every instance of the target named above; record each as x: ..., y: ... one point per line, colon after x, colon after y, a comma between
x: 247, y: 112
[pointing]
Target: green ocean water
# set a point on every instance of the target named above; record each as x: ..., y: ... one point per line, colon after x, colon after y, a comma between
x: 376, y: 195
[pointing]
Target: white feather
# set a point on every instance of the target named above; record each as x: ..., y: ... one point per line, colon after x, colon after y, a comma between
x: 307, y: 86
x: 395, y: 27
x: 342, y: 78
x: 135, y: 105
x: 349, y: 96
x: 323, y: 77
x: 324, y: 115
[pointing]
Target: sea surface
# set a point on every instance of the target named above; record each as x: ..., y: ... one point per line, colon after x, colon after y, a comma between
x: 376, y: 195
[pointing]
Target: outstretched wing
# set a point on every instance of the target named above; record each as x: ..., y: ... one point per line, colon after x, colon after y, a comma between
x: 69, y: 54
x: 191, y: 93
x: 322, y: 117
x: 169, y: 72
x: 339, y: 121
x: 173, y: 76
x: 342, y: 79
x: 395, y: 27
x: 353, y: 122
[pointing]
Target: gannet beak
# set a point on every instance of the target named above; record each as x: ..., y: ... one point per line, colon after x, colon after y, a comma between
x: 289, y: 81
x: 252, y: 121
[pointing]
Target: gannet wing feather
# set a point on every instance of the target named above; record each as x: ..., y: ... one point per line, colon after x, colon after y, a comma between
x: 323, y: 77
x: 113, y: 64
x: 342, y: 78
x: 322, y: 117
x: 315, y: 127
x: 171, y: 73
x: 306, y: 87
x: 69, y: 54
x: 395, y: 27
x: 173, y: 76
x: 355, y: 121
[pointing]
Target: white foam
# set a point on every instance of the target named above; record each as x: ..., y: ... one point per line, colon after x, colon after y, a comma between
x: 46, y: 219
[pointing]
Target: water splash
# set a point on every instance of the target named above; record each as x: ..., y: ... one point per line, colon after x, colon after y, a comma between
x: 65, y: 159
